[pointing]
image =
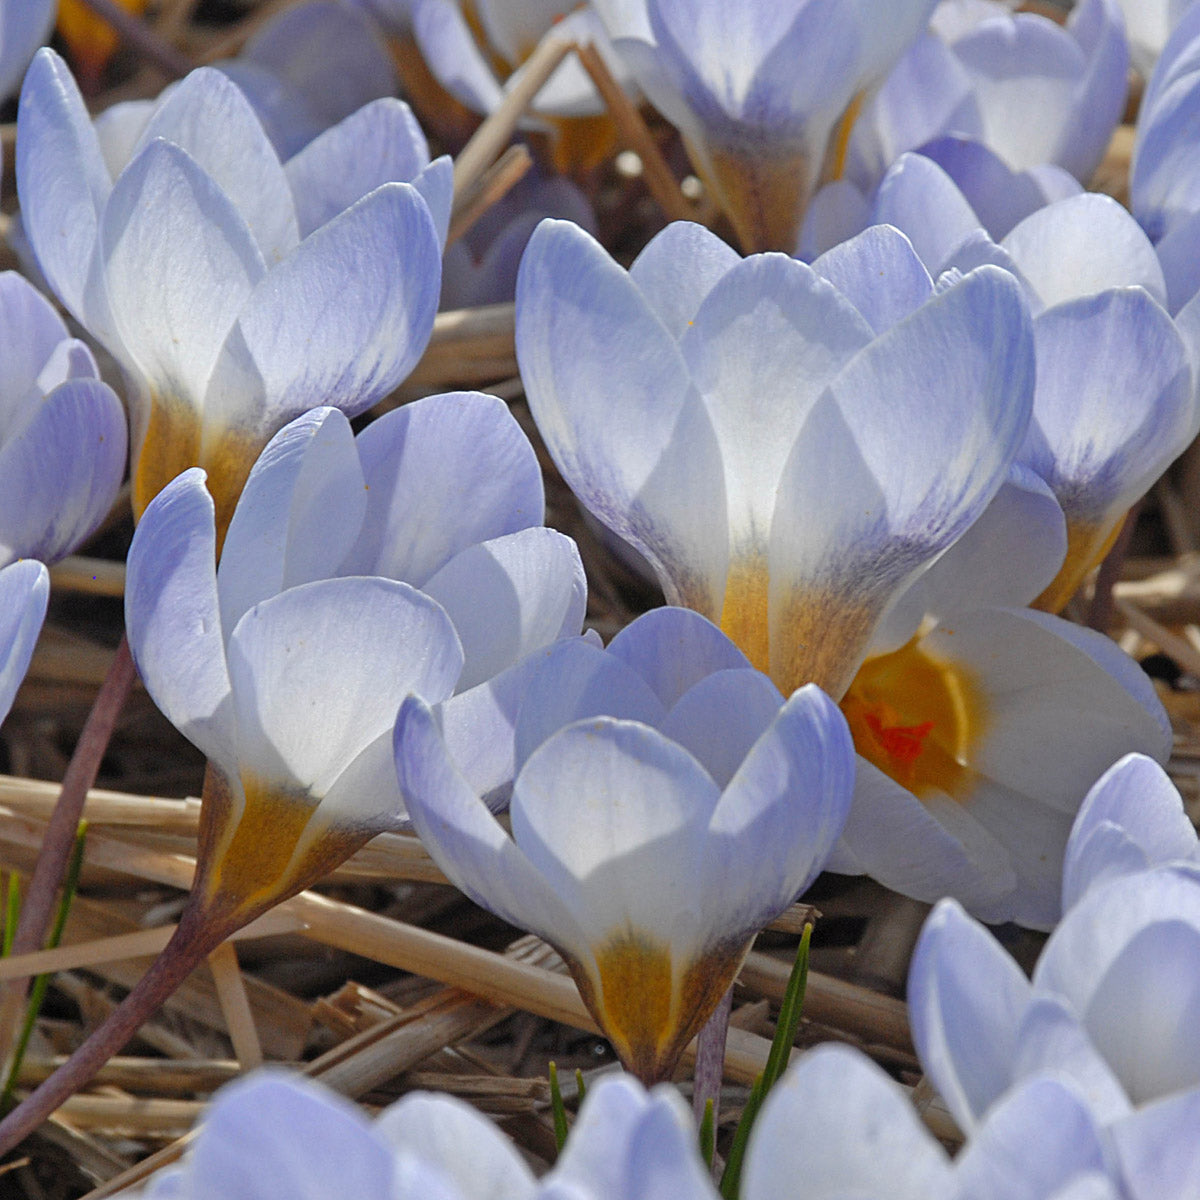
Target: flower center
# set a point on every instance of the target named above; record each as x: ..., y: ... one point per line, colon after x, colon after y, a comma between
x: 917, y: 717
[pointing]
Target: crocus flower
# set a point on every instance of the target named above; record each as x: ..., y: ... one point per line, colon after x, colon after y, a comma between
x: 786, y: 463
x: 839, y: 1123
x: 62, y: 431
x: 24, y: 26
x: 648, y: 851
x: 1110, y: 1005
x: 230, y: 304
x: 443, y: 494
x: 759, y: 90
x: 1033, y: 91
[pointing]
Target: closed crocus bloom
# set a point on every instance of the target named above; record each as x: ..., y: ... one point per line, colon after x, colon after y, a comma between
x: 1110, y: 1005
x: 231, y: 302
x: 62, y: 431
x: 758, y: 91
x: 787, y: 458
x: 649, y: 864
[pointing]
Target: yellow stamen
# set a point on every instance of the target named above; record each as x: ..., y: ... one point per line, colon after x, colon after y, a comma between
x: 918, y: 717
x: 647, y: 1009
x: 1087, y: 544
x: 841, y: 137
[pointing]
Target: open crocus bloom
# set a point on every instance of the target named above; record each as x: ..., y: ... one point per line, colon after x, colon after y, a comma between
x: 24, y: 593
x: 235, y: 292
x: 1110, y: 1006
x: 241, y: 660
x: 981, y: 724
x: 649, y: 869
x: 62, y: 431
x: 758, y: 90
x: 788, y: 452
x: 838, y: 1122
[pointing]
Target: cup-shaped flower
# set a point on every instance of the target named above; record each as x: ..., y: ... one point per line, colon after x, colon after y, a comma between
x: 24, y: 593
x: 1032, y: 91
x: 758, y: 91
x: 649, y: 878
x: 785, y: 461
x: 289, y: 702
x: 230, y: 304
x: 62, y: 431
x: 1111, y: 1005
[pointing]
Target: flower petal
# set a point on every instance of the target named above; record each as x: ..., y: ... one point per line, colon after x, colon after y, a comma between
x: 585, y: 330
x: 966, y: 998
x: 298, y: 515
x: 318, y: 672
x: 442, y: 473
x: 340, y: 321
x: 24, y: 594
x: 208, y: 116
x: 678, y: 268
x: 510, y: 596
x: 173, y: 618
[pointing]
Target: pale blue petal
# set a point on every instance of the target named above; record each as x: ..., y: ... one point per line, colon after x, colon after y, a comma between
x: 341, y: 321
x: 1158, y: 1155
x: 378, y: 144
x: 298, y: 515
x: 611, y: 395
x: 840, y: 1124
x: 61, y: 178
x: 465, y: 840
x: 23, y: 28
x: 24, y: 593
x: 442, y: 473
x: 510, y: 596
x: 453, y: 55
x: 61, y: 470
x: 173, y: 618
x: 966, y: 998
x: 1132, y: 818
x: 879, y: 273
x: 208, y: 116
x: 318, y: 672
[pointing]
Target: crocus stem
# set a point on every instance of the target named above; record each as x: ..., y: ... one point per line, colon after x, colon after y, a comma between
x: 59, y: 839
x: 1100, y: 610
x: 194, y: 937
x: 710, y: 1060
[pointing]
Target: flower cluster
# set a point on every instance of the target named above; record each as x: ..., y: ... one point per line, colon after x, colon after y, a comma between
x: 871, y: 456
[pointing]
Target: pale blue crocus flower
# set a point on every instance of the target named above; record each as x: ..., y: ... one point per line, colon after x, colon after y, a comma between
x: 763, y: 94
x: 24, y: 594
x: 443, y: 495
x: 235, y: 292
x: 1110, y: 1005
x: 62, y: 431
x: 667, y: 804
x: 788, y: 459
x: 1032, y: 91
